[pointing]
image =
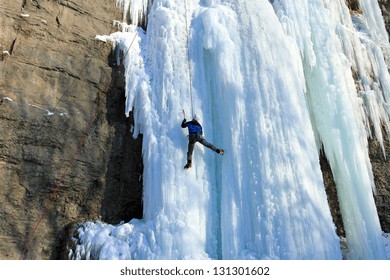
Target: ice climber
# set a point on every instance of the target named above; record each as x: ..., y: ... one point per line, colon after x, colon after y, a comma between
x: 195, y: 134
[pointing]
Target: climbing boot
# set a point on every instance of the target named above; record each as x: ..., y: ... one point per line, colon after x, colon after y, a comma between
x: 188, y: 165
x: 220, y: 151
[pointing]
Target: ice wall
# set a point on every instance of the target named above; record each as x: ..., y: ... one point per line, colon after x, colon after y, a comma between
x: 334, y: 50
x: 252, y: 77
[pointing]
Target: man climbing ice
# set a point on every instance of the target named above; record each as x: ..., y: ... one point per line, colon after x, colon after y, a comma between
x: 195, y: 134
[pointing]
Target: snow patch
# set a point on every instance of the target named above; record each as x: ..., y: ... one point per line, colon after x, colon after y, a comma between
x: 7, y: 98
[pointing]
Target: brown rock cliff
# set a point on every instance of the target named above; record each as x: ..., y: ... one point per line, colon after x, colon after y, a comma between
x: 53, y: 76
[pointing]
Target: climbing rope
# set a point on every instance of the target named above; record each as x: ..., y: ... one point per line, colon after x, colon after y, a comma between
x: 76, y: 152
x: 188, y: 58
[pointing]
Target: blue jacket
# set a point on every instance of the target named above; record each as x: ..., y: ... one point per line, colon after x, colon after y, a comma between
x: 194, y: 127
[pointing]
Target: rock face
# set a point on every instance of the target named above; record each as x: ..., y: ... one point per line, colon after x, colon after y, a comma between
x: 381, y: 169
x: 385, y: 7
x: 54, y: 78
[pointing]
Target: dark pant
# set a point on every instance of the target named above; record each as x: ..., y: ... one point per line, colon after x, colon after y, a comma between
x: 191, y: 144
